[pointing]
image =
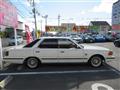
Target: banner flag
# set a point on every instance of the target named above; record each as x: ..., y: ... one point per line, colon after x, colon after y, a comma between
x: 28, y: 34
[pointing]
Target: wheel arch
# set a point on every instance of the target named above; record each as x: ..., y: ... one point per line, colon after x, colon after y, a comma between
x: 101, y: 56
x: 31, y: 57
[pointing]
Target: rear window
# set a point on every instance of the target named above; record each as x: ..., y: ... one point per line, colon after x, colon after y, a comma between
x: 31, y: 44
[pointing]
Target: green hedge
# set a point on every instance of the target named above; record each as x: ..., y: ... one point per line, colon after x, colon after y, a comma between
x: 3, y: 34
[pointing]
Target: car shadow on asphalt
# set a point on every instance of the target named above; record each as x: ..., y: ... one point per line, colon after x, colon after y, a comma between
x: 56, y: 67
x: 51, y: 67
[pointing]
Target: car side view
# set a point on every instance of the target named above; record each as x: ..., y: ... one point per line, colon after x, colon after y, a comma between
x: 58, y: 50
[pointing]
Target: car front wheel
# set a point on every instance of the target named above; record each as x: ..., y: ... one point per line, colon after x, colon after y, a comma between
x: 96, y: 61
x: 116, y: 44
x: 32, y: 63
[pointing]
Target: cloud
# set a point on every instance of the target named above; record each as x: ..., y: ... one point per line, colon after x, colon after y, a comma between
x: 83, y: 12
x: 30, y: 2
x: 104, y: 6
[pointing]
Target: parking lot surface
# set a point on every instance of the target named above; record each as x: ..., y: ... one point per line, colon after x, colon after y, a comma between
x: 66, y: 76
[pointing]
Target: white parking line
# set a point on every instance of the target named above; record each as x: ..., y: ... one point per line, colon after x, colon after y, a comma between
x: 97, y: 85
x: 4, y: 82
x: 54, y: 72
x: 116, y: 71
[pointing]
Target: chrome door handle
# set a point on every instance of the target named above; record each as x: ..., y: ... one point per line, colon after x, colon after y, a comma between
x: 61, y: 51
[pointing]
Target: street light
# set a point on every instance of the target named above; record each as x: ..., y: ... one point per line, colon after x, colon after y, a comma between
x: 59, y: 20
x: 45, y: 17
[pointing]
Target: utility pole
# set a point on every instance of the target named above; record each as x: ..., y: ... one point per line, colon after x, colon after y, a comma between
x: 45, y: 17
x: 41, y: 24
x: 41, y: 28
x: 59, y: 20
x: 34, y: 13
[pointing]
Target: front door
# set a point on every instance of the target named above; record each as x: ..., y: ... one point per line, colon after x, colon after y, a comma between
x: 68, y: 51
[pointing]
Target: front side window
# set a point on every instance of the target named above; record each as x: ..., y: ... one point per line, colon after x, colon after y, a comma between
x: 49, y: 43
x: 66, y: 43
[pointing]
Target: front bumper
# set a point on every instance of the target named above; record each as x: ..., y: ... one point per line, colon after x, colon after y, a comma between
x: 108, y: 59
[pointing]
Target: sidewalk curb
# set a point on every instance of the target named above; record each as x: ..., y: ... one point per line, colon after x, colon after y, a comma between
x: 5, y: 81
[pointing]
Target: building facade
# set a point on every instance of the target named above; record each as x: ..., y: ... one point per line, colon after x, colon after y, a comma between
x: 8, y: 19
x: 116, y: 16
x: 67, y: 27
x: 99, y: 27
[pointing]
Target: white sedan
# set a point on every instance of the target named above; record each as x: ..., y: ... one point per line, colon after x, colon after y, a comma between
x: 57, y: 50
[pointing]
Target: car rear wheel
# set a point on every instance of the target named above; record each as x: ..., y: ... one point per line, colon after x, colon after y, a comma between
x: 32, y: 63
x: 96, y: 61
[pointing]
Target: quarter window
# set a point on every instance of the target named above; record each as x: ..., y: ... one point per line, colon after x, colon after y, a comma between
x: 49, y: 43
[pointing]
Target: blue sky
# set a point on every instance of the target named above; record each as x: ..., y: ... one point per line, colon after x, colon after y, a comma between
x: 80, y: 12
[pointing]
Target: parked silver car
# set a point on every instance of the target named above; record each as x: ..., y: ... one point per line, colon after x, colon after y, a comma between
x: 12, y: 40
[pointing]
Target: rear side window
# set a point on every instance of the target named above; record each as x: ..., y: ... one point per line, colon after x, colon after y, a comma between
x: 31, y: 44
x: 49, y: 43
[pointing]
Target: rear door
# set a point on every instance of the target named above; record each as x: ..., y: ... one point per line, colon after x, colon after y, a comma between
x: 47, y: 50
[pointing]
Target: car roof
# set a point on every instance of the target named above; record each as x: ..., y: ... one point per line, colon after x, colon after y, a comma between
x: 54, y: 37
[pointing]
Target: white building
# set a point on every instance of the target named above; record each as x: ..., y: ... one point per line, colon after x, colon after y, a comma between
x: 116, y: 15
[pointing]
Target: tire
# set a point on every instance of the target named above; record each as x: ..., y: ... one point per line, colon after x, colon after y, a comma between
x: 116, y: 44
x: 96, y: 61
x: 32, y: 63
x: 91, y: 41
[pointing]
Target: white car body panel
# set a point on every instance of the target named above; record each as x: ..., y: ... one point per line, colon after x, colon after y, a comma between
x: 45, y: 56
x: 71, y: 55
x: 57, y: 55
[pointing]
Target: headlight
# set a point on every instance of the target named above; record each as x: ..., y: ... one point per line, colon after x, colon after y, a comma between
x: 110, y: 53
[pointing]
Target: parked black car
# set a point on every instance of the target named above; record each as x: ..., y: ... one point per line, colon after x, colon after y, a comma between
x: 117, y: 43
x: 82, y: 36
x: 109, y: 37
x: 117, y: 36
x: 89, y: 39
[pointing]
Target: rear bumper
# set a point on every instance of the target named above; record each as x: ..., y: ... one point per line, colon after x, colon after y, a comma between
x: 13, y: 60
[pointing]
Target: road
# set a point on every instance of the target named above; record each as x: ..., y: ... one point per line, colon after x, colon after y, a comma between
x: 66, y: 76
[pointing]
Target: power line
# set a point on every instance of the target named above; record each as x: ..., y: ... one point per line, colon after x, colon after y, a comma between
x: 24, y: 6
x: 20, y: 11
x: 16, y: 8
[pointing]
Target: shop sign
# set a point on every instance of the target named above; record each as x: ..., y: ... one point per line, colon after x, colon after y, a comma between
x: 8, y: 14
